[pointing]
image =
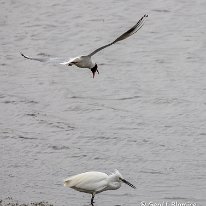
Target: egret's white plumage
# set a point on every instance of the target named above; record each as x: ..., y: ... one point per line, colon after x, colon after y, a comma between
x: 95, y: 182
x: 86, y: 61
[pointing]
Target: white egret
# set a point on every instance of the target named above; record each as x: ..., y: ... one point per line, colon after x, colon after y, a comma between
x: 96, y: 182
x: 85, y: 61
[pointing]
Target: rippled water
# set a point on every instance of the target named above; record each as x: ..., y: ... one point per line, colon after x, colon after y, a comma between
x: 145, y: 114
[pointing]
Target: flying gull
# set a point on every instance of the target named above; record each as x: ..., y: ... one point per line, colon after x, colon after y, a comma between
x: 85, y: 61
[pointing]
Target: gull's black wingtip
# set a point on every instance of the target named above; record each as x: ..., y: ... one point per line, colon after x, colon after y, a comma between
x: 146, y: 15
x: 23, y: 55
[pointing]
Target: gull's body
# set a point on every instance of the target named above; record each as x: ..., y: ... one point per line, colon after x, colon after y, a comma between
x: 81, y: 62
x: 95, y: 182
x: 85, y: 61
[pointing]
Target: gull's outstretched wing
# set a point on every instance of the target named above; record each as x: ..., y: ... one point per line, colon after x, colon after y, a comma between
x: 45, y: 58
x: 128, y: 33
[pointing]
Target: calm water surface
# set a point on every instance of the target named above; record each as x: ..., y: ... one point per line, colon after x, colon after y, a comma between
x: 145, y: 114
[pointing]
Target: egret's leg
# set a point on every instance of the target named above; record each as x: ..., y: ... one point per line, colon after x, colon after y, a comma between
x: 92, y: 200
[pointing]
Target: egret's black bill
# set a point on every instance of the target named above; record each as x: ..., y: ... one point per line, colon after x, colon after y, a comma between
x: 128, y: 183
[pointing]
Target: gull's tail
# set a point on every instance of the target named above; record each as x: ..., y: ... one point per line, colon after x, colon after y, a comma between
x: 65, y: 63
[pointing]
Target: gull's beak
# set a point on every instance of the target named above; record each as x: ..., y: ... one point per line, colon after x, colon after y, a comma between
x: 128, y: 183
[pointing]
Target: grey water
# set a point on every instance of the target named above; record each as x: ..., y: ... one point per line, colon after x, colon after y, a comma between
x: 144, y: 114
